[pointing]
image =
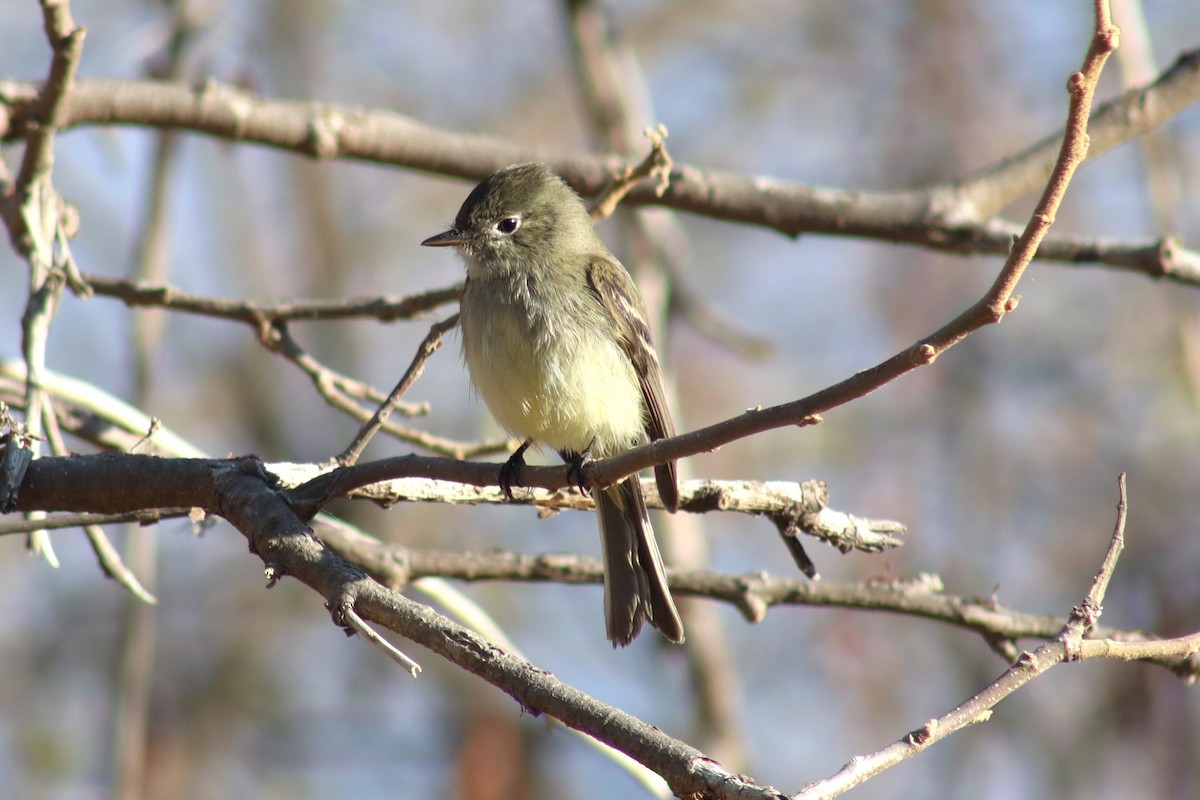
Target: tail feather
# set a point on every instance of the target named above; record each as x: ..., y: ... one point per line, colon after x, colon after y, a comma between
x: 635, y: 582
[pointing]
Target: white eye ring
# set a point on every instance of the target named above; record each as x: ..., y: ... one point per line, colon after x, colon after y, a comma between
x: 508, y: 224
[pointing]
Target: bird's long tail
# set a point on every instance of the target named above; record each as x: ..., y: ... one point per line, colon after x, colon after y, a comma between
x: 635, y: 584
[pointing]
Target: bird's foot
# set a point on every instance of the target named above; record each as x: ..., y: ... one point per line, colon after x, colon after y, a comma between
x: 510, y: 473
x: 575, y: 467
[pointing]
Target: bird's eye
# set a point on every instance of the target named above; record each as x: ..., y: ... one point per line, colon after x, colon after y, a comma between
x: 508, y: 224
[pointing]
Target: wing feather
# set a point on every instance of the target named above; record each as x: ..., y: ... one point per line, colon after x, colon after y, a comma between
x: 620, y: 298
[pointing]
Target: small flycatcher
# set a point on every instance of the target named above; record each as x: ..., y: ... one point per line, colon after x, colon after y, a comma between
x: 557, y: 342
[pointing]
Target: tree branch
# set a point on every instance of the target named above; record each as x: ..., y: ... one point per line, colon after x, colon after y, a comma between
x: 242, y: 492
x: 754, y: 594
x: 121, y: 484
x: 954, y: 217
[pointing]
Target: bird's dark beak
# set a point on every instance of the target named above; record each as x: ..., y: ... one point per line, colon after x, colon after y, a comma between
x: 448, y: 239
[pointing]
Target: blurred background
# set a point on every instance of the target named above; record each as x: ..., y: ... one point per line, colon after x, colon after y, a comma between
x: 1002, y: 458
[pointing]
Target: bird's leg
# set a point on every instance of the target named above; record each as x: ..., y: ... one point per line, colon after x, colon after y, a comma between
x: 575, y: 464
x: 511, y: 471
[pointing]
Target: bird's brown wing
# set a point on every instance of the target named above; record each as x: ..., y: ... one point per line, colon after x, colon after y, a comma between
x: 620, y: 298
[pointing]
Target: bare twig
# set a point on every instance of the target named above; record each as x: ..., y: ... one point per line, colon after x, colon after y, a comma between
x: 97, y: 416
x: 338, y: 390
x: 359, y: 624
x: 61, y: 521
x: 144, y: 443
x: 110, y: 560
x: 657, y: 164
x: 429, y: 346
x: 114, y: 567
x: 1065, y: 647
x: 384, y: 309
x: 66, y: 44
x: 34, y: 217
x: 1089, y: 613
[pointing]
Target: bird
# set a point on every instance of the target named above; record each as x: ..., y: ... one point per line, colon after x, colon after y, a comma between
x: 557, y: 343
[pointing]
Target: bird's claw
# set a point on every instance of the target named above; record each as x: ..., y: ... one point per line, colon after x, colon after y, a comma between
x: 510, y: 472
x: 576, y: 465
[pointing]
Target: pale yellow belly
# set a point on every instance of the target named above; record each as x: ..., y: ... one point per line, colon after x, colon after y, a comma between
x: 562, y: 388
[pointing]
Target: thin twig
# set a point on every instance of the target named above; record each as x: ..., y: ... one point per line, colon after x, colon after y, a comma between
x: 1063, y: 648
x: 61, y: 521
x: 338, y: 390
x: 333, y: 388
x: 110, y: 560
x: 657, y: 164
x: 384, y: 309
x: 1095, y: 599
x: 369, y: 633
x: 34, y: 221
x: 114, y: 567
x: 144, y: 442
x: 429, y: 345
